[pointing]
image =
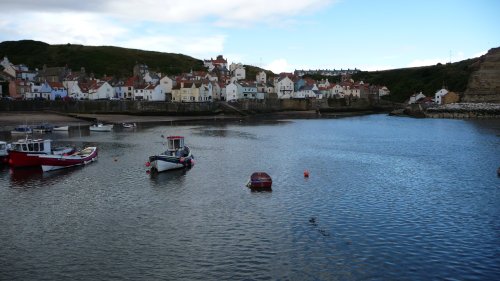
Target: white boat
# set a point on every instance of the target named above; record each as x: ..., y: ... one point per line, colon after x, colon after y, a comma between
x: 129, y: 125
x: 56, y: 162
x: 99, y: 127
x: 61, y: 128
x: 176, y: 156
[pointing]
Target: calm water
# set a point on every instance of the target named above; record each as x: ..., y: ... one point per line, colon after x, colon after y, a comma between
x: 387, y: 199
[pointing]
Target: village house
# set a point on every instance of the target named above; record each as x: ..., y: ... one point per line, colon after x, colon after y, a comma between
x: 100, y: 90
x: 439, y: 94
x: 220, y: 62
x: 415, y: 98
x: 217, y: 91
x: 246, y: 90
x: 383, y: 91
x: 9, y: 68
x: 167, y: 83
x: 57, y: 90
x: 284, y: 87
x: 237, y: 71
x: 266, y: 88
x: 306, y: 91
x: 335, y: 91
x: 74, y: 90
x: 261, y: 77
x: 231, y: 92
x: 186, y: 91
x: 153, y: 93
x: 18, y: 88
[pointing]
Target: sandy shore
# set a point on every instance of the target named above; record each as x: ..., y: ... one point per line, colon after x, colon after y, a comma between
x: 9, y: 120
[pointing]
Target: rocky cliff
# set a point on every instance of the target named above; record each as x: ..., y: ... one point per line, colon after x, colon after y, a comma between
x: 484, y: 83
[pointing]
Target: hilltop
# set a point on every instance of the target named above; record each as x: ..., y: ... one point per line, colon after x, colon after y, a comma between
x: 404, y: 82
x: 100, y: 60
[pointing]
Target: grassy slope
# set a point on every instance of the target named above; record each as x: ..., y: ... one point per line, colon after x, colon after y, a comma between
x: 99, y: 60
x: 429, y: 79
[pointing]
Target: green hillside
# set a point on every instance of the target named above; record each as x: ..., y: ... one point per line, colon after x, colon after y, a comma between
x: 99, y: 60
x: 429, y: 79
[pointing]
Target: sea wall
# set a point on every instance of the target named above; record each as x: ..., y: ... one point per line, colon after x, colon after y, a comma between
x: 464, y: 111
x: 116, y: 107
x: 201, y: 108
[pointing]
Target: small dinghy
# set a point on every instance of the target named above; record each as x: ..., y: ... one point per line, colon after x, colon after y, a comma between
x: 260, y: 180
x: 129, y: 125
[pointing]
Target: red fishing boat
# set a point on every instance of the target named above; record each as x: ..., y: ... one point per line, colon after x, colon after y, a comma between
x: 260, y: 180
x: 50, y: 162
x: 26, y: 152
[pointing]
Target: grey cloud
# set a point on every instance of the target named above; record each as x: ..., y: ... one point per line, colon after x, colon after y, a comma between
x: 51, y: 5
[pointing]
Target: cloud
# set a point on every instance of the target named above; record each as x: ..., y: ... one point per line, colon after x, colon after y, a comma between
x: 194, y: 46
x: 81, y: 28
x: 218, y: 12
x: 482, y: 53
x: 279, y: 65
x: 458, y: 56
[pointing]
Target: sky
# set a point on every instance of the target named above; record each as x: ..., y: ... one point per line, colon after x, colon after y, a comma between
x: 278, y: 35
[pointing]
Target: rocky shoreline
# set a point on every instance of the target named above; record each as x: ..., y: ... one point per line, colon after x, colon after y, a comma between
x: 452, y: 111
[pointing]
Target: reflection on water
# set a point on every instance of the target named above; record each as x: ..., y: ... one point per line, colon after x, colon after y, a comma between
x: 34, y: 177
x: 173, y: 177
x: 224, y: 133
x: 386, y: 199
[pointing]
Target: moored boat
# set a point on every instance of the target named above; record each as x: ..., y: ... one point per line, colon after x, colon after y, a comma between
x: 56, y: 162
x: 22, y: 129
x: 43, y: 128
x: 25, y: 152
x: 129, y: 125
x: 61, y: 128
x: 176, y: 156
x: 99, y: 127
x: 260, y: 180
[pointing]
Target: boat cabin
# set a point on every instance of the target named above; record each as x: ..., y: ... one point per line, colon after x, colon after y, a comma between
x: 3, y: 148
x: 175, y: 143
x: 32, y: 146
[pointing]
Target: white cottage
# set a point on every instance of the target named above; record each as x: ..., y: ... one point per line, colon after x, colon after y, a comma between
x: 100, y: 90
x: 231, y: 92
x: 439, y: 95
x: 284, y: 87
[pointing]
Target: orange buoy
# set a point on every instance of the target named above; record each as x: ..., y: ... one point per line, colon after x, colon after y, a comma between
x: 306, y: 174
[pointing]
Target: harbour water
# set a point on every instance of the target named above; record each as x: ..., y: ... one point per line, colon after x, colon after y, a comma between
x: 387, y: 199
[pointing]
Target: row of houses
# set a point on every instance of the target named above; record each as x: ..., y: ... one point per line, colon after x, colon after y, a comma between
x: 221, y: 81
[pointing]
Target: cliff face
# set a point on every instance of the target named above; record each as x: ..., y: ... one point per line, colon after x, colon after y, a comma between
x: 484, y: 84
